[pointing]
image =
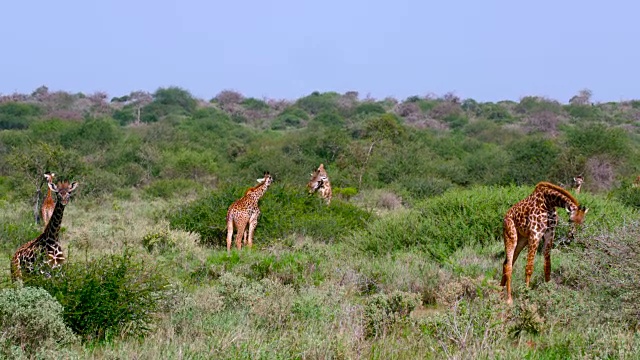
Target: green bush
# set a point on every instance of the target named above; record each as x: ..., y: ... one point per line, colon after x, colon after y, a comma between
x: 31, y: 320
x: 105, y: 298
x: 442, y: 224
x: 599, y: 139
x: 158, y: 241
x: 382, y: 311
x: 285, y: 210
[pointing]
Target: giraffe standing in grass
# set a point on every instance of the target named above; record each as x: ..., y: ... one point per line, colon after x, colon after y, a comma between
x: 48, y: 204
x: 320, y: 182
x: 531, y: 219
x: 46, y: 247
x: 245, y: 211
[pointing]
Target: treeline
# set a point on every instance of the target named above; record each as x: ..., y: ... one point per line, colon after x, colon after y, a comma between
x: 169, y: 142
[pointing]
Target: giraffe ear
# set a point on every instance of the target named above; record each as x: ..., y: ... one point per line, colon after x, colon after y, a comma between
x: 260, y: 180
x: 53, y: 187
x: 73, y: 186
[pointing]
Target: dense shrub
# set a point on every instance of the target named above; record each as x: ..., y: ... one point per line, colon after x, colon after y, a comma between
x: 382, y: 311
x: 110, y: 297
x: 31, y: 320
x: 285, y: 210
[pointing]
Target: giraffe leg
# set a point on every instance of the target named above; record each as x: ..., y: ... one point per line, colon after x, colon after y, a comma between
x: 229, y: 232
x: 534, y: 241
x: 253, y: 222
x: 510, y: 235
x: 549, y: 234
x: 241, y: 231
x: 548, y: 244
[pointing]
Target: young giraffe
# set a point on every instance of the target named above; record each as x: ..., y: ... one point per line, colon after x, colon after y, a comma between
x: 577, y: 184
x: 48, y: 204
x: 45, y: 247
x: 320, y: 181
x: 245, y: 211
x: 531, y: 219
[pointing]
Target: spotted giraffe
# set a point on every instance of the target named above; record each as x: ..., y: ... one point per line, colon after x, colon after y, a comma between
x: 245, y: 211
x: 45, y: 247
x: 320, y: 182
x: 577, y: 184
x: 48, y: 204
x: 531, y: 219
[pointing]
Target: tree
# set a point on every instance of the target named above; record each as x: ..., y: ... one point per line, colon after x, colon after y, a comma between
x: 583, y: 98
x: 378, y: 129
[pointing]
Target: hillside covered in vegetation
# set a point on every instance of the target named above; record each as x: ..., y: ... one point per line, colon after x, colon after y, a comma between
x: 404, y: 263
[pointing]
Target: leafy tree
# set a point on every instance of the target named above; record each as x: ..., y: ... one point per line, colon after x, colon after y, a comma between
x: 378, y: 129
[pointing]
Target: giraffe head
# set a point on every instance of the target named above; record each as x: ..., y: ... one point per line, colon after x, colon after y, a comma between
x: 318, y: 178
x: 577, y: 213
x: 49, y: 177
x: 63, y: 190
x: 267, y: 179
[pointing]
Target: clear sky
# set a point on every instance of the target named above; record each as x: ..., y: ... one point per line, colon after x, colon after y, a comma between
x: 487, y: 50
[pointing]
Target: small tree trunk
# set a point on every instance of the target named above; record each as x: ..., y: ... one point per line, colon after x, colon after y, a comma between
x: 364, y: 166
x: 36, y: 207
x: 138, y: 117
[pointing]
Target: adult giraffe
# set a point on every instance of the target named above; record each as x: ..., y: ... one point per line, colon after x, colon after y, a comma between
x: 531, y: 219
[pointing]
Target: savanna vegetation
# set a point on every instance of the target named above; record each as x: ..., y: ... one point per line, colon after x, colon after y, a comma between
x: 404, y: 264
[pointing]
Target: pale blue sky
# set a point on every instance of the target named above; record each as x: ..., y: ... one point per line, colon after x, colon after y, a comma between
x: 487, y: 50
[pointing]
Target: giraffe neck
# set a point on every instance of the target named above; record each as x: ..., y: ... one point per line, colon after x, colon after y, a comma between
x: 555, y: 199
x: 257, y: 192
x: 53, y: 226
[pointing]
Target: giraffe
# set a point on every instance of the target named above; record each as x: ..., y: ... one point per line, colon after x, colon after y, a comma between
x: 45, y: 247
x: 48, y: 204
x: 531, y: 219
x: 636, y: 182
x: 320, y: 181
x: 577, y: 184
x: 245, y: 211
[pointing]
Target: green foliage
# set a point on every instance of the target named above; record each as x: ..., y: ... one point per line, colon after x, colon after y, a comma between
x: 31, y: 320
x: 175, y: 97
x: 330, y: 119
x: 106, y: 298
x: 168, y: 188
x: 382, y: 311
x: 533, y: 104
x: 369, y: 108
x: 317, y: 103
x: 442, y: 224
x: 15, y: 115
x: 254, y: 104
x: 494, y: 112
x: 344, y: 193
x: 158, y: 241
x: 92, y: 134
x: 285, y: 210
x: 291, y: 117
x: 598, y: 139
x: 532, y: 160
x: 583, y: 112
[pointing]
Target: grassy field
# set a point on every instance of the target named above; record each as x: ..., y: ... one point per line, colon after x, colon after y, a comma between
x: 395, y: 282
